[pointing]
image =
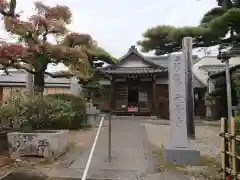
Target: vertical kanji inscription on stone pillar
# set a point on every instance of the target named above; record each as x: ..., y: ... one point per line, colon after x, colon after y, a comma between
x: 177, y: 100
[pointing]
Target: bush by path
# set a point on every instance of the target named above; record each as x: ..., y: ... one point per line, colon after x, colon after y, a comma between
x: 55, y: 111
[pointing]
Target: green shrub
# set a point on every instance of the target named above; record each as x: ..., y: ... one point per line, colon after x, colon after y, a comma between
x: 42, y: 112
x: 78, y: 103
x: 11, y: 111
x: 78, y: 106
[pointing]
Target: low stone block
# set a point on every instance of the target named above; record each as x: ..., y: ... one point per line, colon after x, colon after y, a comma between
x: 49, y: 144
x: 93, y: 119
x: 181, y: 156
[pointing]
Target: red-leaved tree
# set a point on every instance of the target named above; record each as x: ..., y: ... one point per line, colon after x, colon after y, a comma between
x: 35, y: 52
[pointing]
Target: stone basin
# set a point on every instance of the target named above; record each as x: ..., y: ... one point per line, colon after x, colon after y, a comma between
x: 48, y: 144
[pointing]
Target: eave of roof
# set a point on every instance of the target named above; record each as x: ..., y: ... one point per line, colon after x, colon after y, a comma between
x: 222, y: 72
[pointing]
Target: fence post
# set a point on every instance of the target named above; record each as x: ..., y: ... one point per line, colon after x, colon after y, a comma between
x: 233, y: 147
x: 223, y: 144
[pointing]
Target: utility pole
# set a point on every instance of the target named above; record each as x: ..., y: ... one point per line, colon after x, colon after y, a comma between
x: 225, y: 57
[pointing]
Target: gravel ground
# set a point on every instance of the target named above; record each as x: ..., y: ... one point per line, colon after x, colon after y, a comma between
x: 207, y: 142
x: 207, y: 139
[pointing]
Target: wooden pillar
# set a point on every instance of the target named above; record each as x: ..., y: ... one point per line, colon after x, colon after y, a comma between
x: 154, y: 95
x: 112, y: 94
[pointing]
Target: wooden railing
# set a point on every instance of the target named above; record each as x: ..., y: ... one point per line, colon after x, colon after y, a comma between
x: 230, y: 157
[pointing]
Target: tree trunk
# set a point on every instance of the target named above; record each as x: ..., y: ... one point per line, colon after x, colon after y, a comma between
x: 39, y: 82
x: 29, y: 84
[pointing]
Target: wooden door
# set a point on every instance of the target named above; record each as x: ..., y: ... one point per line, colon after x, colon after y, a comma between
x: 121, y: 96
x: 162, y: 105
x: 144, y: 98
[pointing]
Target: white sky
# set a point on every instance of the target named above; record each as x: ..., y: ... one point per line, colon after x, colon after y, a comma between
x: 118, y: 24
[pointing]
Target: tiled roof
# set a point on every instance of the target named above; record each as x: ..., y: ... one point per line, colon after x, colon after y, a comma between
x: 164, y: 60
x: 212, y: 68
x: 159, y: 64
x: 19, y: 78
x: 134, y: 70
x: 134, y: 50
x: 196, y: 82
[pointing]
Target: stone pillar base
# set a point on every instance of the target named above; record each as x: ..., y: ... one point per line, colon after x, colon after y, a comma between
x: 181, y: 156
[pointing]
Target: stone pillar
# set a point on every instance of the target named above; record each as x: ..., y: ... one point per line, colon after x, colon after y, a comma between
x: 179, y: 151
x: 208, y: 108
x: 208, y: 101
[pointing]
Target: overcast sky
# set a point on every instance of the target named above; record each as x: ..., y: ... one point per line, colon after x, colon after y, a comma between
x: 118, y: 24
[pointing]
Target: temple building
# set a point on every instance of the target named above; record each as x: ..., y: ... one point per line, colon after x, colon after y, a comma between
x: 139, y: 86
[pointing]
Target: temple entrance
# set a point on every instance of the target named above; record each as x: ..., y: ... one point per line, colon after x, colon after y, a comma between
x: 133, y: 96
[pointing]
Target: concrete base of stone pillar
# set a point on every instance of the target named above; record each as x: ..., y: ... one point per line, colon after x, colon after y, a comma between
x: 181, y: 156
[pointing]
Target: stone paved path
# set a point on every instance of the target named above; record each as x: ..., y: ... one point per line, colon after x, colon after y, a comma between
x: 131, y: 157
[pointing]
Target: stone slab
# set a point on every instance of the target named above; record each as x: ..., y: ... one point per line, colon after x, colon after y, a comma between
x: 181, y: 156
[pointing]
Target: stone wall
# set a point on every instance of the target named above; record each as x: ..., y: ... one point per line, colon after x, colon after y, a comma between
x: 48, y: 144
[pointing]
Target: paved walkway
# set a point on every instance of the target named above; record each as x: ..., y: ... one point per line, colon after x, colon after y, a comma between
x: 131, y: 157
